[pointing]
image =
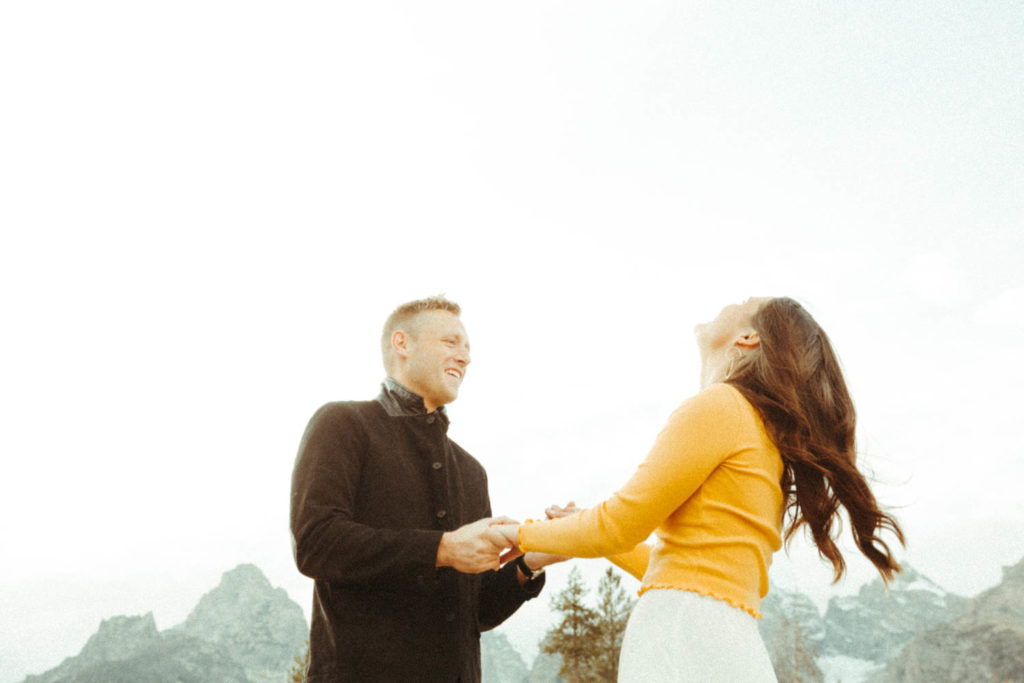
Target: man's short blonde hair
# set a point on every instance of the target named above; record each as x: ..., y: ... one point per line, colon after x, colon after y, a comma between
x: 402, y: 318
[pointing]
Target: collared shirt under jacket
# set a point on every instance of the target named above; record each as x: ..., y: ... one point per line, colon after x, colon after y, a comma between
x: 376, y: 484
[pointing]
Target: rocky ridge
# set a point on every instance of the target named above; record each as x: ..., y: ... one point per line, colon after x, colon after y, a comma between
x: 258, y: 624
x: 985, y: 643
x: 793, y: 632
x: 875, y: 624
x: 499, y: 661
x: 243, y: 631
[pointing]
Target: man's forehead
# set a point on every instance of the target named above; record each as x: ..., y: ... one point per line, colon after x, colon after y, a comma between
x: 440, y: 321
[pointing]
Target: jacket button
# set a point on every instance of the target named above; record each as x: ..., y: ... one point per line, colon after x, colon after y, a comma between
x: 430, y: 419
x: 437, y: 465
x: 441, y: 514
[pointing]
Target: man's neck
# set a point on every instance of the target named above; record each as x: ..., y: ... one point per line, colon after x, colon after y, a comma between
x: 409, y: 398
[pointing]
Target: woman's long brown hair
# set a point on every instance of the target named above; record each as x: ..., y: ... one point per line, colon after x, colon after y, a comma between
x: 794, y: 381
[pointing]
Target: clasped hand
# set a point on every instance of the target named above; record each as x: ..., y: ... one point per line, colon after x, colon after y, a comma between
x: 535, y: 560
x: 488, y: 543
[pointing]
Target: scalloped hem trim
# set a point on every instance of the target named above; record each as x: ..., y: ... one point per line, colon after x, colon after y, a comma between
x: 708, y: 594
x: 519, y: 536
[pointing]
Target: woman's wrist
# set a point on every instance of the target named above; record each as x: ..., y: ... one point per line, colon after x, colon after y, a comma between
x: 529, y: 570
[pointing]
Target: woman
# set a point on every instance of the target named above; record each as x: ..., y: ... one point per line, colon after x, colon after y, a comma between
x: 771, y: 431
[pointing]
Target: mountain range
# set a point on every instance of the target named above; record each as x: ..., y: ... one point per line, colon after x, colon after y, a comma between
x: 246, y: 631
x: 912, y: 631
x: 243, y: 631
x: 984, y: 643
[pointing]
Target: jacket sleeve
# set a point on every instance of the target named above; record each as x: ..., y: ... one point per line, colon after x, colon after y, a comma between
x: 699, y: 436
x: 327, y: 543
x: 501, y: 595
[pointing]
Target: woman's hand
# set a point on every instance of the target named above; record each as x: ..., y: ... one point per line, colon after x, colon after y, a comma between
x: 552, y: 512
x: 556, y: 511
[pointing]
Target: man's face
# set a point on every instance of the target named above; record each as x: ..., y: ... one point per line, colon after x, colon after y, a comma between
x: 438, y: 354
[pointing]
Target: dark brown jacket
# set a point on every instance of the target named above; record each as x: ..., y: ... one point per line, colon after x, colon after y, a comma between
x: 376, y: 484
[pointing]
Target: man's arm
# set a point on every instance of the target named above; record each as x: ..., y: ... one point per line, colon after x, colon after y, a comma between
x: 503, y: 592
x: 330, y: 545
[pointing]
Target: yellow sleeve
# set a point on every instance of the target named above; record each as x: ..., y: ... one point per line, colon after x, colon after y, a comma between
x: 700, y: 434
x: 634, y: 561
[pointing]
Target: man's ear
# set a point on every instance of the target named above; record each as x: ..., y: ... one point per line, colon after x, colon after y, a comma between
x: 400, y: 343
x: 748, y: 340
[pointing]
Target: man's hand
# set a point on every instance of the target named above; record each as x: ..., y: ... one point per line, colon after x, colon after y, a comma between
x: 474, y: 548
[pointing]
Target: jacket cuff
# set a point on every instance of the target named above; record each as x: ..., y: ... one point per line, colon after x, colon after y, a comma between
x: 531, y: 588
x: 425, y: 574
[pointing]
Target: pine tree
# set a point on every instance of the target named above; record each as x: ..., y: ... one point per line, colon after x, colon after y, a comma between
x: 613, y: 609
x: 588, y: 639
x: 574, y: 638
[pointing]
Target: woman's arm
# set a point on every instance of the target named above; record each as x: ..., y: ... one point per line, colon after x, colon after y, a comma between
x: 699, y: 436
x: 634, y: 561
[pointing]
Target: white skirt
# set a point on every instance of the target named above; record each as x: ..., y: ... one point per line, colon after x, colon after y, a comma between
x: 677, y: 635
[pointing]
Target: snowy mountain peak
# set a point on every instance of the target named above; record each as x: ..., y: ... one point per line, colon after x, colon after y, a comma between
x: 911, y: 580
x: 876, y: 623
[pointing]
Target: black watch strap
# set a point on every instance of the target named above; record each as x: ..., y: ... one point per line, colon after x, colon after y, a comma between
x: 525, y: 569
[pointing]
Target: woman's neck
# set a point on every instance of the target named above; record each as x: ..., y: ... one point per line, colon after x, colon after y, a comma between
x: 713, y: 368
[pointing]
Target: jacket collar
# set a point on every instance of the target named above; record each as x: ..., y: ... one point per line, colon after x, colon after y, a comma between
x: 399, y: 401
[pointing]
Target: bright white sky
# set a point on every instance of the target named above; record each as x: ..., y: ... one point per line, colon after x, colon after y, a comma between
x: 209, y: 208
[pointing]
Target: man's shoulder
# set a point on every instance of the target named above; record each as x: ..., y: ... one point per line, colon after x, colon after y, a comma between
x: 347, y: 406
x: 346, y: 412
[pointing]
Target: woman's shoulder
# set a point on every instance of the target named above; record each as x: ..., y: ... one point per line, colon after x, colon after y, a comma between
x: 719, y: 395
x: 749, y: 420
x: 716, y: 403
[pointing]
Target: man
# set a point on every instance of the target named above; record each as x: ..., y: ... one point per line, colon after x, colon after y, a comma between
x: 393, y: 521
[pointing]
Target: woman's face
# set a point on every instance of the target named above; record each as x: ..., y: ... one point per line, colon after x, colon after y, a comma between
x: 733, y: 321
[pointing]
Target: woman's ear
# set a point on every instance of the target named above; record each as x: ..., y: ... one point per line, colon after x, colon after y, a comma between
x: 748, y: 340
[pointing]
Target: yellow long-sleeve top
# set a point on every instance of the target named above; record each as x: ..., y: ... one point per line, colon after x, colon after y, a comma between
x: 709, y: 489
